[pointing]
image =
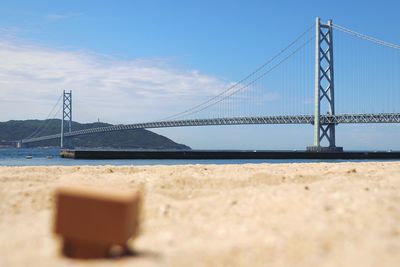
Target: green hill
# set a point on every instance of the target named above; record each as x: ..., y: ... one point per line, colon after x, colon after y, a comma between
x: 132, y: 139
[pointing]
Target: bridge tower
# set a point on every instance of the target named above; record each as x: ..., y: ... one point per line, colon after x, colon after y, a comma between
x: 324, y: 88
x: 66, y: 114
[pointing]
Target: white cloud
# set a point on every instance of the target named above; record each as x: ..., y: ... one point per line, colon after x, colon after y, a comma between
x: 119, y: 91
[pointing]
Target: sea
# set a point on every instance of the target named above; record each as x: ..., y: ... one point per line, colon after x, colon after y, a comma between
x: 51, y: 157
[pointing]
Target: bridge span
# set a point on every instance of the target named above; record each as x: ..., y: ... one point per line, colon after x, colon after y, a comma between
x: 299, y: 119
x: 368, y: 79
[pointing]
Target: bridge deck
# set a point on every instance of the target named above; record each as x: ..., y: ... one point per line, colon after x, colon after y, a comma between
x: 297, y: 119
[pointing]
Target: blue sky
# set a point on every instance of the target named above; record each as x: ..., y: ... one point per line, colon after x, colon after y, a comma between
x: 220, y: 37
x: 168, y: 49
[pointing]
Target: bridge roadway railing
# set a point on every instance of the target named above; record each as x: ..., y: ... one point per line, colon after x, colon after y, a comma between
x: 296, y: 119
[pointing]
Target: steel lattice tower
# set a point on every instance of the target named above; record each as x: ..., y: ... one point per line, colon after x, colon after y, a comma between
x: 66, y: 114
x: 324, y: 88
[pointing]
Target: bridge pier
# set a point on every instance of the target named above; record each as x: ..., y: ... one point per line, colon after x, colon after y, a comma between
x: 324, y: 89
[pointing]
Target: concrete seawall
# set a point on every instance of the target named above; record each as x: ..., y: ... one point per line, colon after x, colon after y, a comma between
x: 225, y: 154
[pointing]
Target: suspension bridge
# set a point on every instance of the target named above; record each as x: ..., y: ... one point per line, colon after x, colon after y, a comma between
x: 305, y: 83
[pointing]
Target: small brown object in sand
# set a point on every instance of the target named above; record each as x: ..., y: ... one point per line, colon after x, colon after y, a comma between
x: 91, y: 220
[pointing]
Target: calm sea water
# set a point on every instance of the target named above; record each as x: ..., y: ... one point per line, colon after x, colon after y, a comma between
x: 50, y: 156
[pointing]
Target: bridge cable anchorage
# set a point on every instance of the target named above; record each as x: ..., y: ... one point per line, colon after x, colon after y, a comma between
x: 43, y: 126
x: 366, y: 37
x: 252, y: 81
x: 183, y: 113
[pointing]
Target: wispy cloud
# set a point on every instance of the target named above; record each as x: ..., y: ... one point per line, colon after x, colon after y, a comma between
x: 32, y: 78
x: 62, y: 16
x: 9, y: 32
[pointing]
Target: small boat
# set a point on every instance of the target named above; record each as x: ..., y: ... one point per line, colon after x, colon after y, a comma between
x: 49, y: 157
x: 28, y: 157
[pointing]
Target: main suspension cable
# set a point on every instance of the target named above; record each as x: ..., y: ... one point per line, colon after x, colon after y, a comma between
x: 366, y: 37
x: 45, y: 122
x: 180, y: 114
x: 252, y: 81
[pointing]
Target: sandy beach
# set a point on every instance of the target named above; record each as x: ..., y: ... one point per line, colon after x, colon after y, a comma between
x: 311, y: 214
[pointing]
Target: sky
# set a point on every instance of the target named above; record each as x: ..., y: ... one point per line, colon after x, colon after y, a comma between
x: 137, y: 61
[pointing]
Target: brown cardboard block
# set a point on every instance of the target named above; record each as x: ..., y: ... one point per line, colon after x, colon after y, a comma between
x: 84, y: 249
x: 91, y: 220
